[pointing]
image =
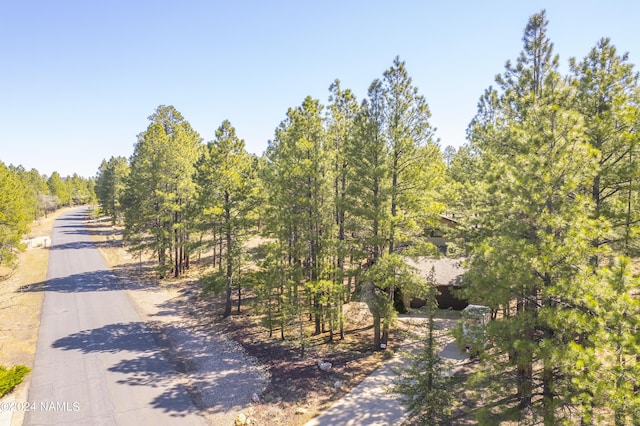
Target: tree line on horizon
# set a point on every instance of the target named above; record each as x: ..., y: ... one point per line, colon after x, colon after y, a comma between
x: 27, y: 195
x: 545, y: 193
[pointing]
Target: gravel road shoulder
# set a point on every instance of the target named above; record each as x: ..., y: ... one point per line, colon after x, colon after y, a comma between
x: 220, y: 376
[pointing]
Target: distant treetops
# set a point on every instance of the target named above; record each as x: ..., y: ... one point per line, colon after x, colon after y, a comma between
x: 27, y: 195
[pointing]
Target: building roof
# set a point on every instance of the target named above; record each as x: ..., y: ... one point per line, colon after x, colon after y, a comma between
x: 452, y: 220
x: 447, y: 271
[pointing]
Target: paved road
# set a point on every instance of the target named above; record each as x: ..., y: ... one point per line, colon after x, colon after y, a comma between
x: 96, y: 362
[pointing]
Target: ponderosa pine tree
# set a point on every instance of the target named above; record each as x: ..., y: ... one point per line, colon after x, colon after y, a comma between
x: 426, y: 390
x: 14, y: 215
x: 341, y: 131
x: 271, y: 289
x: 224, y: 177
x: 160, y: 188
x: 110, y: 185
x: 397, y: 169
x: 607, y: 87
x: 300, y: 209
x: 532, y: 249
x: 36, y: 189
x: 81, y: 190
x: 616, y: 382
x: 58, y: 189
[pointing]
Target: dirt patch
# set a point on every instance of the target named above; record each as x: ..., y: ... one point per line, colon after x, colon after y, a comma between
x: 299, y: 389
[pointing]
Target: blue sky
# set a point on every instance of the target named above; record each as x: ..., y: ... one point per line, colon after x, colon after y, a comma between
x: 78, y: 79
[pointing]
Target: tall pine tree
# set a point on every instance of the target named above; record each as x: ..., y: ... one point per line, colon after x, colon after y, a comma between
x: 532, y: 249
x: 397, y: 170
x: 160, y: 188
x: 224, y: 177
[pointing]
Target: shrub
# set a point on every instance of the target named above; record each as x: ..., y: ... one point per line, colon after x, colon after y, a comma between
x: 10, y: 378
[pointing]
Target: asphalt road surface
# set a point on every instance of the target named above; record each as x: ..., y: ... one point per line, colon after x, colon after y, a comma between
x: 96, y: 362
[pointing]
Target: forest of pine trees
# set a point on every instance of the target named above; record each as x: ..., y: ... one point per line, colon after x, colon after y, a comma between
x: 546, y: 192
x: 28, y: 195
x: 548, y: 183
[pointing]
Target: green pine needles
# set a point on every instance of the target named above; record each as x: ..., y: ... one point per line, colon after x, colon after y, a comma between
x: 424, y: 384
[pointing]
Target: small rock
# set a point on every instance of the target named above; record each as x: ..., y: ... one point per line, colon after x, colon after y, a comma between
x: 241, y: 420
x: 337, y: 384
x: 301, y: 410
x: 255, y: 398
x: 324, y: 366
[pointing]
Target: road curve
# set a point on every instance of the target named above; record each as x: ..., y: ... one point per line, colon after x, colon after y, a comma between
x: 96, y: 361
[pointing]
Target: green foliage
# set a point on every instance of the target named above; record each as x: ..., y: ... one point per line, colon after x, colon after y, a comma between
x: 397, y: 167
x: 276, y: 291
x: 341, y: 133
x: 110, y: 185
x: 160, y: 188
x: 427, y: 391
x: 300, y: 210
x: 72, y: 190
x: 550, y: 177
x: 224, y: 178
x: 80, y: 190
x: 388, y: 274
x: 58, y: 189
x: 35, y: 190
x: 395, y: 173
x: 609, y: 359
x: 606, y: 87
x: 215, y: 283
x: 11, y: 377
x: 15, y: 215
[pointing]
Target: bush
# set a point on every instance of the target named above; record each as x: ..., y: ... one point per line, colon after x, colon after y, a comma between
x: 12, y: 377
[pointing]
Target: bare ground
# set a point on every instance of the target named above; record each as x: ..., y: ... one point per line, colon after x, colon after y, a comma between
x: 297, y: 389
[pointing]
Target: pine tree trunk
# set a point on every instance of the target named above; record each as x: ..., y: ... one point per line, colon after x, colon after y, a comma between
x: 330, y: 311
x: 341, y: 319
x: 523, y: 368
x: 376, y: 332
x: 317, y: 315
x: 384, y: 336
x: 220, y: 243
x: 214, y: 239
x: 547, y: 394
x: 239, y: 288
x: 227, y: 217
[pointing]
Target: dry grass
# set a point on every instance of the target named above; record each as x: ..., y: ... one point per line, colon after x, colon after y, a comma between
x: 20, y: 311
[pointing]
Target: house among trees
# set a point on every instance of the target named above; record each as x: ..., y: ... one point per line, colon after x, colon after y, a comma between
x: 447, y: 274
